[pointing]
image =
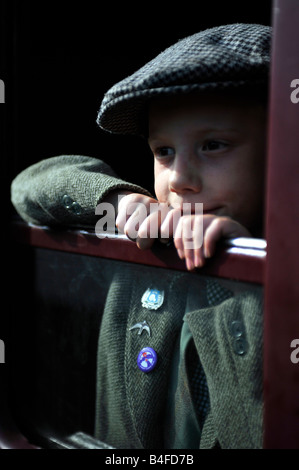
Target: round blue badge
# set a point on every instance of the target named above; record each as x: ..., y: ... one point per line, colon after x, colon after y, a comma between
x: 147, y: 359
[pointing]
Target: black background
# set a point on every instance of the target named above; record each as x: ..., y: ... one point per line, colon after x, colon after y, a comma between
x: 57, y: 59
x: 61, y: 57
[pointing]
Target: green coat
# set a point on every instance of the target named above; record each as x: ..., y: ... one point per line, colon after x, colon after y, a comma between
x: 208, y: 338
x: 198, y: 315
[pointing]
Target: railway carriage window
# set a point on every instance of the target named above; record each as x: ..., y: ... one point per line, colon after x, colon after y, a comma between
x: 76, y: 276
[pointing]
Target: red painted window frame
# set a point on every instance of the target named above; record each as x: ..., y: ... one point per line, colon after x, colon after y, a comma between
x: 241, y: 259
x: 281, y: 376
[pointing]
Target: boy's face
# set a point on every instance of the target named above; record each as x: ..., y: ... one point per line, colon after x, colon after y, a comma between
x: 210, y: 149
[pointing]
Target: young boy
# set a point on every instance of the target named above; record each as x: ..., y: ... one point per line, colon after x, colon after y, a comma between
x: 201, y: 105
x: 213, y: 86
x: 210, y: 150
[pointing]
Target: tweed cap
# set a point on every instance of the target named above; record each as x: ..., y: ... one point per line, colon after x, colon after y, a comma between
x: 224, y: 57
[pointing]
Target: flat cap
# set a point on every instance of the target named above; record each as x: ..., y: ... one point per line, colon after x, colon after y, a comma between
x: 223, y: 57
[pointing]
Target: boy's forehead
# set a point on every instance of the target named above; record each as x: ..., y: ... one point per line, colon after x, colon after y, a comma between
x: 184, y: 101
x: 216, y: 110
x: 200, y: 99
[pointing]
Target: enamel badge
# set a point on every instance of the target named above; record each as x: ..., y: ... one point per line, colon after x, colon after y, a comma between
x: 141, y: 327
x: 147, y: 359
x: 152, y: 299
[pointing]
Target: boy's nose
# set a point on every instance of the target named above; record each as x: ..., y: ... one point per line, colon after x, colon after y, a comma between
x: 185, y: 177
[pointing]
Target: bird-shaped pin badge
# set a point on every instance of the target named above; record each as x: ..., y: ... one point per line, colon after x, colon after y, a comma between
x: 141, y: 326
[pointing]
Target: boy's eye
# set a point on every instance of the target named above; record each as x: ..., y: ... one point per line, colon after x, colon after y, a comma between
x: 164, y: 152
x: 213, y: 145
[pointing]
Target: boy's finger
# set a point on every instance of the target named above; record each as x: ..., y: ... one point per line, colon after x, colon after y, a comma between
x: 198, y: 254
x: 212, y: 235
x: 183, y: 243
x: 124, y: 214
x: 144, y: 243
x: 149, y: 230
x: 130, y: 218
x: 132, y: 205
x: 177, y: 240
x: 189, y: 259
x: 169, y: 223
x: 199, y: 258
x: 150, y: 227
x: 131, y: 226
x: 221, y: 227
x: 188, y: 242
x: 121, y: 220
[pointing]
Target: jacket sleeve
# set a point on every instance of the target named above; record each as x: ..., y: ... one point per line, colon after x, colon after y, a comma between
x: 65, y: 190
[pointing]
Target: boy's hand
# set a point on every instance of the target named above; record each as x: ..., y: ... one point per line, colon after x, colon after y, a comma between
x: 145, y: 223
x: 204, y: 236
x: 138, y: 217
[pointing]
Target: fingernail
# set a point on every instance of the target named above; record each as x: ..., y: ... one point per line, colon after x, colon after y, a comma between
x: 207, y: 254
x: 197, y: 261
x: 189, y: 264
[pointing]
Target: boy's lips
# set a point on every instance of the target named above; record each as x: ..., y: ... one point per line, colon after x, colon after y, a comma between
x: 212, y: 210
x: 206, y: 210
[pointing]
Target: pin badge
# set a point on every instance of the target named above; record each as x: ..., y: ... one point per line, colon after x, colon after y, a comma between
x: 141, y: 326
x: 152, y: 299
x: 147, y: 359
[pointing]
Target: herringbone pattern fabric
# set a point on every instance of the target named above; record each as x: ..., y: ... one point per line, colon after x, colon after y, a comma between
x: 224, y: 57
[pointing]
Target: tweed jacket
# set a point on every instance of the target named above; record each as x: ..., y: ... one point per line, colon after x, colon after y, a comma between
x: 226, y: 338
x: 201, y: 323
x: 65, y: 190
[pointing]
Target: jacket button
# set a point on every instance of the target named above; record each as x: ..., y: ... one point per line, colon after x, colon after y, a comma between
x: 71, y: 205
x: 147, y: 359
x: 240, y: 346
x: 76, y: 209
x: 237, y: 329
x: 67, y: 201
x: 239, y: 343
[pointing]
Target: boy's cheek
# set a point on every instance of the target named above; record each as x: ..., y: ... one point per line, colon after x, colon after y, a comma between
x: 162, y: 177
x: 161, y: 190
